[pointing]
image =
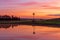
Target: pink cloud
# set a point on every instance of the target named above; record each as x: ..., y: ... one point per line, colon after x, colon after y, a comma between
x: 7, y: 0
x: 28, y: 3
x: 53, y: 8
x: 44, y: 5
x: 49, y: 6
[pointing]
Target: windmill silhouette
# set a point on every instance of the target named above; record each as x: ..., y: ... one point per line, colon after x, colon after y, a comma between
x: 33, y: 16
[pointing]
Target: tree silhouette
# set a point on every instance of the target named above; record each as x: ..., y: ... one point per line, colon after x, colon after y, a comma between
x: 6, y: 17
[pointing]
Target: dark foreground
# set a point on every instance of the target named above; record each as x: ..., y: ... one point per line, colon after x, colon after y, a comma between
x: 36, y: 23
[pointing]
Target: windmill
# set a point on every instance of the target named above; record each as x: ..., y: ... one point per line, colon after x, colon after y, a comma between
x: 33, y: 18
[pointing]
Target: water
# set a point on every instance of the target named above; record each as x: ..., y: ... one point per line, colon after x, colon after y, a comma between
x: 28, y: 32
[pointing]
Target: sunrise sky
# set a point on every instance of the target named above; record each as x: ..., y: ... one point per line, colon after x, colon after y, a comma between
x: 24, y: 8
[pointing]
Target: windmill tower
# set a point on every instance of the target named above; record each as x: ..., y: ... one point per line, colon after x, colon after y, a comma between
x: 33, y: 18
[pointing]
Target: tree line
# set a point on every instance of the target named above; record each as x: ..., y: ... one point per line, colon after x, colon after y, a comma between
x: 7, y: 17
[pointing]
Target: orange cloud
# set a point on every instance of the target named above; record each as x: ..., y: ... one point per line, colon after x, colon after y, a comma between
x: 54, y: 15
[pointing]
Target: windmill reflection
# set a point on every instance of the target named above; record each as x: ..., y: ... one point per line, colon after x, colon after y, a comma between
x: 33, y: 29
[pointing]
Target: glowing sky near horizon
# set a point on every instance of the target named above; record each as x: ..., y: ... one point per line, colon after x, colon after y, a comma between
x: 25, y: 8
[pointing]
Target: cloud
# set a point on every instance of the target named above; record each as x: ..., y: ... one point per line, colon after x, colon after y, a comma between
x: 6, y: 0
x: 28, y: 3
x: 51, y: 7
x: 54, y: 15
x: 44, y: 5
x: 40, y: 5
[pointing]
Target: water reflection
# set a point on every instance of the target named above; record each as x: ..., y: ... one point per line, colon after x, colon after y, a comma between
x: 8, y: 25
x: 25, y: 32
x: 14, y: 25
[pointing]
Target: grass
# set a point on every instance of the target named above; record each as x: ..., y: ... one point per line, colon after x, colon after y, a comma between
x: 29, y: 22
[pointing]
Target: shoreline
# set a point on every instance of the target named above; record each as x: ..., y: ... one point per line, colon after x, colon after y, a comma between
x: 29, y: 23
